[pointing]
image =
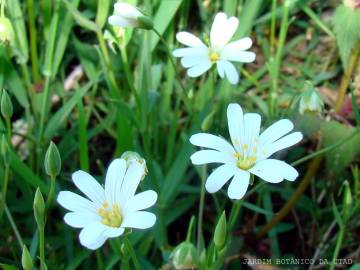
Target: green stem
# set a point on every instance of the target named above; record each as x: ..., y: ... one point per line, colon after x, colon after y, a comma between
x: 8, y: 129
x: 43, y: 108
x: 168, y: 51
x: 132, y: 253
x: 276, y: 63
x: 14, y: 227
x: 42, y: 247
x: 4, y: 189
x: 273, y: 26
x: 352, y: 64
x: 33, y: 42
x: 51, y: 192
x: 339, y: 242
x: 201, y: 208
x: 234, y: 214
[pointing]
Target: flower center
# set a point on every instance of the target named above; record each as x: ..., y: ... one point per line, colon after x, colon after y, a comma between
x: 110, y: 216
x: 244, y: 163
x: 214, y: 56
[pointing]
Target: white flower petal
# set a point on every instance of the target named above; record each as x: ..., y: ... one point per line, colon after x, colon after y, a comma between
x: 274, y: 171
x: 182, y: 52
x: 193, y: 60
x: 139, y: 220
x: 211, y: 156
x: 141, y: 201
x: 92, y: 236
x: 126, y: 10
x: 81, y: 219
x: 219, y: 177
x: 252, y: 122
x: 120, y: 21
x: 239, y: 185
x: 241, y: 44
x: 275, y: 131
x: 114, y: 179
x: 235, y: 120
x: 284, y: 142
x: 113, y: 232
x: 211, y: 141
x: 237, y: 56
x: 220, y: 68
x: 189, y: 39
x: 231, y: 73
x: 222, y: 30
x: 132, y: 179
x: 199, y: 69
x: 89, y: 186
x: 75, y: 203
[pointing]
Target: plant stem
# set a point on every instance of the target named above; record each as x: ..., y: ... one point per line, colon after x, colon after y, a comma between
x: 51, y: 192
x: 8, y: 129
x: 168, y: 51
x: 14, y: 227
x: 273, y: 26
x: 201, y: 208
x: 4, y: 189
x: 234, y: 214
x: 354, y: 58
x: 339, y: 241
x: 132, y: 253
x: 42, y: 246
x: 310, y: 173
x: 33, y: 42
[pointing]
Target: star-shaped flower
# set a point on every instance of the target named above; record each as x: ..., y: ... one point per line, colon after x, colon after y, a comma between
x: 248, y: 154
x: 108, y: 212
x: 199, y: 58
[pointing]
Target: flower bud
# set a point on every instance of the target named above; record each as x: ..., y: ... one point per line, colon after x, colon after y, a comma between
x: 26, y: 260
x: 126, y: 15
x: 220, y: 232
x: 6, y: 105
x: 52, y: 160
x: 6, y: 29
x: 131, y: 156
x: 310, y: 100
x: 184, y: 256
x: 4, y: 147
x: 347, y: 201
x: 39, y: 208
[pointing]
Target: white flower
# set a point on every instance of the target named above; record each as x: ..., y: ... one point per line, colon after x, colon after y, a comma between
x: 107, y: 212
x: 126, y: 15
x: 199, y: 58
x: 249, y: 152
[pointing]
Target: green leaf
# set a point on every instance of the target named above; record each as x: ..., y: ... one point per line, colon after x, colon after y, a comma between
x: 347, y: 31
x: 163, y: 17
x: 81, y: 19
x: 60, y: 117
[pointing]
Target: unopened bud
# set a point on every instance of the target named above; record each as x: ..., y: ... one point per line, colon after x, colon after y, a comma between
x: 220, y: 232
x: 26, y: 260
x: 131, y: 156
x: 52, y: 160
x: 39, y: 208
x: 310, y: 100
x: 184, y: 256
x: 6, y: 105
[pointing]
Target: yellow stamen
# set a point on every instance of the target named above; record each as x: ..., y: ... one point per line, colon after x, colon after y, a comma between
x: 110, y: 217
x: 245, y: 146
x: 214, y: 56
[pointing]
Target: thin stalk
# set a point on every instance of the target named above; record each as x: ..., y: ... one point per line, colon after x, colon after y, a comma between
x: 339, y: 241
x: 51, y: 192
x: 273, y: 26
x: 4, y: 188
x: 310, y: 173
x: 8, y: 129
x: 168, y: 51
x: 234, y: 214
x: 131, y: 250
x: 14, y: 227
x: 201, y: 208
x: 276, y: 63
x: 42, y: 247
x: 354, y: 59
x: 33, y: 42
x: 43, y: 107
